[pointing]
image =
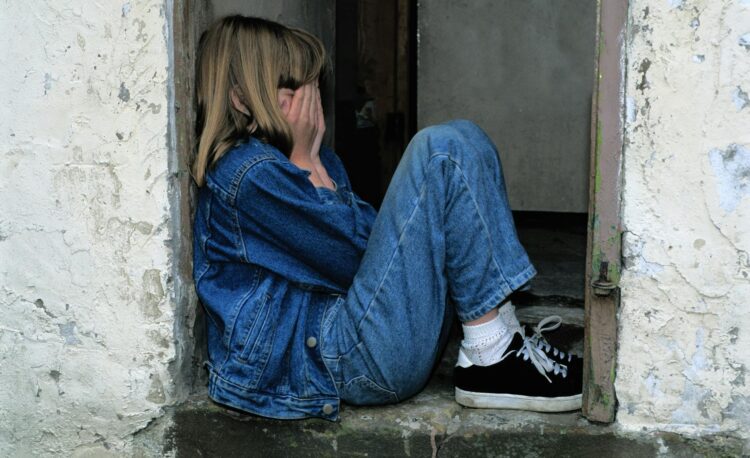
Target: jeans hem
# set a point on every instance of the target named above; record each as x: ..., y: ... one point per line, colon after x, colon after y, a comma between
x: 504, y: 290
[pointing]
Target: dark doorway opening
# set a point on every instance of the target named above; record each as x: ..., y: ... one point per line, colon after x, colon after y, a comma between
x: 375, y: 72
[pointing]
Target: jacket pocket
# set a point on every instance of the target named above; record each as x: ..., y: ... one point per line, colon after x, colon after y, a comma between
x: 253, y: 339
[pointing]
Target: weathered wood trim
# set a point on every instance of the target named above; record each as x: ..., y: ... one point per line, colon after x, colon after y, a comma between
x: 604, y: 239
x: 187, y: 21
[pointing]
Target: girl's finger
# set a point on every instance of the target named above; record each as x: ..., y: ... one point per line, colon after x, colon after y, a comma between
x: 312, y: 107
x: 321, y: 116
x: 305, y: 108
x: 296, y: 106
x: 299, y: 99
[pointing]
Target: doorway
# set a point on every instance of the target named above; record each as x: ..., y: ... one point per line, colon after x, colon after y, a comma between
x: 534, y: 74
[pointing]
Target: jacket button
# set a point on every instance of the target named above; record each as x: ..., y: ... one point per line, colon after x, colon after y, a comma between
x: 312, y: 342
x: 328, y: 409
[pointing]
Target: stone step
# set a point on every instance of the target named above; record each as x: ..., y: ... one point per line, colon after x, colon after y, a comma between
x: 430, y: 424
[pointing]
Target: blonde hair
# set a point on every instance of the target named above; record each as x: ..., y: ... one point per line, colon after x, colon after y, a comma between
x: 256, y: 58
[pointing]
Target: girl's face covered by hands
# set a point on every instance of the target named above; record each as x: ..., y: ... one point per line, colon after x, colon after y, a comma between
x: 285, y: 97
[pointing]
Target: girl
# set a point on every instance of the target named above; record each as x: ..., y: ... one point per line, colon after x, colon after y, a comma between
x: 311, y: 296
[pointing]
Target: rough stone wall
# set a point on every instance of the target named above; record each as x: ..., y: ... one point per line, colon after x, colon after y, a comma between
x: 684, y: 321
x: 86, y: 329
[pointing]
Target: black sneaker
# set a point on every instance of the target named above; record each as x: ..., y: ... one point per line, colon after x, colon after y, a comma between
x: 526, y: 379
x: 551, y: 323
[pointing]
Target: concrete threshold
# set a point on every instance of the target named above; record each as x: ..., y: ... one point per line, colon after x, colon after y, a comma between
x: 429, y: 425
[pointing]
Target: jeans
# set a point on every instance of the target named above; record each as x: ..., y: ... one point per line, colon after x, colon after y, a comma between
x: 444, y: 242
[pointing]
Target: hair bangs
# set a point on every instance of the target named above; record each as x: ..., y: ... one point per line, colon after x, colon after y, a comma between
x: 307, y: 60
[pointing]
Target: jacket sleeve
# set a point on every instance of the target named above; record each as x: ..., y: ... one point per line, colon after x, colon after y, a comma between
x: 325, y: 230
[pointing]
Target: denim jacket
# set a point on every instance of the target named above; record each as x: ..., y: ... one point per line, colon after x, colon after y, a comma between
x: 271, y: 254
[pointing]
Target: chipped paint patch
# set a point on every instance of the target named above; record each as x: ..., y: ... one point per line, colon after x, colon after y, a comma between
x: 676, y: 3
x: 630, y: 110
x: 740, y: 98
x: 732, y: 169
x: 744, y: 41
x: 124, y: 93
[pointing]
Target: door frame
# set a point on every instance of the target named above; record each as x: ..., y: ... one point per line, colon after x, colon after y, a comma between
x: 603, y: 252
x: 604, y: 249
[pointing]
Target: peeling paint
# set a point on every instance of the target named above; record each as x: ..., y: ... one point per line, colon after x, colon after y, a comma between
x: 47, y: 82
x: 643, y: 70
x: 744, y: 41
x: 676, y: 3
x: 153, y: 293
x: 682, y: 321
x: 740, y: 98
x: 124, y: 93
x: 68, y: 333
x: 732, y: 169
x: 88, y: 316
x: 631, y: 112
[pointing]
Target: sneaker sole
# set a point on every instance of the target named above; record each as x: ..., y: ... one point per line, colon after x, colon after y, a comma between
x: 518, y: 402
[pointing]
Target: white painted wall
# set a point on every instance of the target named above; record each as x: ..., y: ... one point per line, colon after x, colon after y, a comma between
x: 684, y: 343
x: 86, y: 329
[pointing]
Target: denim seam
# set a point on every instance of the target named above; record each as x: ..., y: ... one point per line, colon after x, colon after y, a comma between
x: 377, y: 385
x: 495, y: 300
x: 238, y: 230
x: 209, y: 206
x: 240, y: 174
x: 262, y: 308
x: 481, y: 219
x: 422, y: 191
x: 484, y: 307
x: 326, y: 323
x: 392, y: 258
x: 275, y: 395
x: 201, y: 273
x: 231, y: 193
x: 244, y: 300
x: 197, y: 282
x: 262, y: 370
x: 323, y: 342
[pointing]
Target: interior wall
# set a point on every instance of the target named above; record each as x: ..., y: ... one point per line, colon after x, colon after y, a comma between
x: 523, y: 70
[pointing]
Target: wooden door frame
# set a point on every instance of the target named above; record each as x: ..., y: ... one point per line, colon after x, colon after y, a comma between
x: 603, y: 252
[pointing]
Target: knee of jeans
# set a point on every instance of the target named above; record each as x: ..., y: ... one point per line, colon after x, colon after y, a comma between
x: 437, y: 132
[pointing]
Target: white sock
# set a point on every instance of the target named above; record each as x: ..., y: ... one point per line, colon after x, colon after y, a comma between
x: 485, y: 344
x: 508, y: 314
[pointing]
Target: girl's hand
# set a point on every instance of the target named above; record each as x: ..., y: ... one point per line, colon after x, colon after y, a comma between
x: 321, y: 127
x: 306, y: 120
x: 304, y: 123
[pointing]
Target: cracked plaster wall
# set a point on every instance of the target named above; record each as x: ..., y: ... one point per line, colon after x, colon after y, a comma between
x: 87, y: 323
x: 685, y: 318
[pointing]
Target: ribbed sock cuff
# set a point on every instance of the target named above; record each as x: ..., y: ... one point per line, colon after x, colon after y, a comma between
x: 486, y: 343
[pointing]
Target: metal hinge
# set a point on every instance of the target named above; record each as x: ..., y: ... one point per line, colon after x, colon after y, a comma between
x: 603, y: 286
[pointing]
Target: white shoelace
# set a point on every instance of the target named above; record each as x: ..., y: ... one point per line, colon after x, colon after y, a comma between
x: 530, y: 352
x: 548, y: 324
